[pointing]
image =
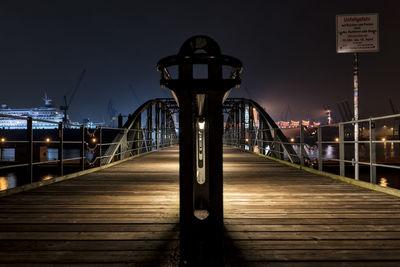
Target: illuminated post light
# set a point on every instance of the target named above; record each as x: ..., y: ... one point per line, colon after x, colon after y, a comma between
x: 337, y: 139
x: 3, y: 139
x: 292, y: 139
x: 383, y: 139
x: 48, y: 140
x: 201, y: 125
x: 247, y: 139
x: 94, y: 140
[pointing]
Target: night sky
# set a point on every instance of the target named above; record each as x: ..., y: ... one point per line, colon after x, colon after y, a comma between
x: 287, y: 47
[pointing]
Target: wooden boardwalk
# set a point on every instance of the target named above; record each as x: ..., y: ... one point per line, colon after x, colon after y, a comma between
x: 128, y: 215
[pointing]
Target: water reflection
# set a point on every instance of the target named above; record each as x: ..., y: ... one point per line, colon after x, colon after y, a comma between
x: 392, y: 154
x: 329, y: 152
x: 3, y: 183
x: 8, y: 181
x: 383, y: 182
x: 7, y: 154
x: 46, y: 177
x: 256, y: 149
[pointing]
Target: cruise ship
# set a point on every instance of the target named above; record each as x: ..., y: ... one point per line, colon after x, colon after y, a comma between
x: 47, y: 113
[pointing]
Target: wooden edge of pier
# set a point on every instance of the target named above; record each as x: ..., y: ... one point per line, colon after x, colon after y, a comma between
x: 38, y: 184
x: 375, y: 187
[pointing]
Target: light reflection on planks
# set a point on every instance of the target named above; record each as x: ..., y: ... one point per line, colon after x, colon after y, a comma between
x: 128, y: 214
x: 281, y: 216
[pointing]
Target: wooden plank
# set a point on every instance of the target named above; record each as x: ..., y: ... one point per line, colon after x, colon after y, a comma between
x: 128, y: 215
x: 137, y: 256
x: 276, y: 215
x: 89, y: 235
x: 91, y: 245
x: 100, y: 227
x: 320, y: 255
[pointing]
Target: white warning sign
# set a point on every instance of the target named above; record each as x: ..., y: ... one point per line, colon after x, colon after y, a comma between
x: 357, y: 33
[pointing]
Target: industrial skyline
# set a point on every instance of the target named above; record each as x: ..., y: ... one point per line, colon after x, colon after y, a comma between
x: 287, y: 48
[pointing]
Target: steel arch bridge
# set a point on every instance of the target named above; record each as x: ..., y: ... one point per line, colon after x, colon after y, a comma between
x: 148, y: 128
x: 152, y: 126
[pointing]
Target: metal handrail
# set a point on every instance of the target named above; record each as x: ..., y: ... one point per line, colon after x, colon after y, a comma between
x: 142, y: 140
x: 235, y: 138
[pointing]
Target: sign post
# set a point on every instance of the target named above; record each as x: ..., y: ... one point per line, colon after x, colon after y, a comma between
x: 356, y: 33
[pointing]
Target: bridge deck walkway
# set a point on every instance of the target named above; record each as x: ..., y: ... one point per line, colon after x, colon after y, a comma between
x: 128, y: 215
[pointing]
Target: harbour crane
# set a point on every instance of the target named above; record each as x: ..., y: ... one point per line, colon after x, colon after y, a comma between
x: 112, y: 112
x: 286, y: 112
x: 348, y: 109
x: 396, y: 121
x: 67, y: 103
x: 344, y: 110
x: 342, y: 116
x: 135, y: 97
x: 395, y: 110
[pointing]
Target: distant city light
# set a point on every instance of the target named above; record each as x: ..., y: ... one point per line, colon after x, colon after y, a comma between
x: 48, y: 140
x: 247, y: 139
x: 292, y: 139
x: 337, y: 139
x: 94, y: 140
x: 3, y: 139
x: 384, y: 139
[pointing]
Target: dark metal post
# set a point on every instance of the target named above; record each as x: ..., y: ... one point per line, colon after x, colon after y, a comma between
x: 100, y: 145
x: 29, y: 151
x: 237, y: 135
x: 138, y: 136
x: 261, y: 137
x: 83, y: 129
x: 60, y: 149
x: 120, y: 122
x: 163, y: 127
x: 319, y: 142
x: 200, y: 148
x: 301, y: 144
x: 341, y: 150
x: 149, y: 128
x: 120, y: 125
x: 242, y: 125
x: 372, y: 152
x: 251, y: 128
x: 157, y: 124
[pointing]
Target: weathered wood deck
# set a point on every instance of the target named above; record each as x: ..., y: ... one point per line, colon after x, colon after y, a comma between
x: 128, y: 214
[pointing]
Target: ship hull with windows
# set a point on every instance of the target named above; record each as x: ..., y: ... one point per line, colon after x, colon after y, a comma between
x: 47, y: 113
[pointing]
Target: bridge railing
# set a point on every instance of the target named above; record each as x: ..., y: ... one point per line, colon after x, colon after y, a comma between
x: 30, y: 153
x: 330, y: 148
x: 378, y: 160
x: 248, y: 125
x: 251, y: 141
x: 130, y: 142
